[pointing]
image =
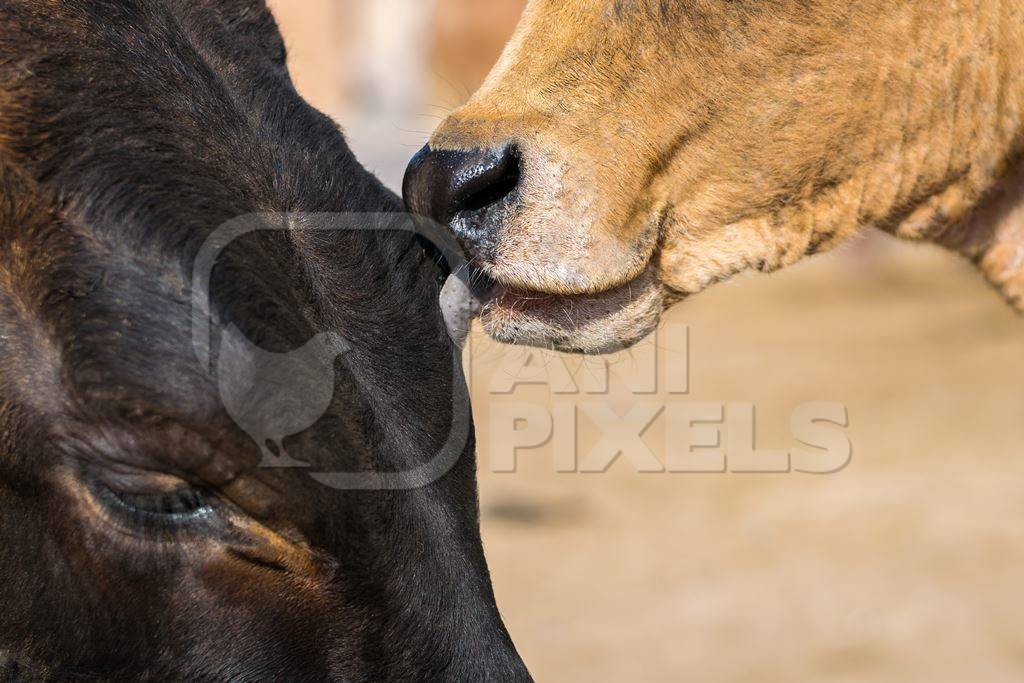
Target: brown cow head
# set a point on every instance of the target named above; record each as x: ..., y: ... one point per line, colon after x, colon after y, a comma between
x: 624, y: 154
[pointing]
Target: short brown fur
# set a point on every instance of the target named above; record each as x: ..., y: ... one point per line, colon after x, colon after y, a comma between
x: 668, y: 145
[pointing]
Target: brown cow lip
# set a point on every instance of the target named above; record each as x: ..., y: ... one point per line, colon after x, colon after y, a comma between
x: 486, y: 287
x: 512, y: 300
x: 491, y: 292
x: 503, y: 296
x: 505, y: 299
x: 591, y: 322
x: 507, y: 305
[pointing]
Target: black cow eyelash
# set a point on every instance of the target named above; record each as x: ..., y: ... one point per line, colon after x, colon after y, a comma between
x: 176, y: 510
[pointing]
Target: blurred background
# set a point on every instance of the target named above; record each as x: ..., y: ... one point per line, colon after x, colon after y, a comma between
x: 907, y: 565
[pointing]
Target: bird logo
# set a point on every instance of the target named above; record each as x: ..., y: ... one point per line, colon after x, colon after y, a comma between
x: 272, y: 396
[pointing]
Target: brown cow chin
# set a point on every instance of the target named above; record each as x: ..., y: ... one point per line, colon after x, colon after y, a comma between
x: 603, y: 322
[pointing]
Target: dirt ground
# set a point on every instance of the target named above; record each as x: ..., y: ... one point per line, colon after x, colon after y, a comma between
x: 908, y: 565
x: 905, y: 566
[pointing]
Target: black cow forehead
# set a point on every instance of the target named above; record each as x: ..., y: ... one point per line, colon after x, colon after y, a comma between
x: 110, y: 356
x: 144, y: 159
x: 104, y: 319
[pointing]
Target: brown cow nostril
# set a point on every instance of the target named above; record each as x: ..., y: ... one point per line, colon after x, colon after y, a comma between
x: 504, y: 178
x: 458, y: 188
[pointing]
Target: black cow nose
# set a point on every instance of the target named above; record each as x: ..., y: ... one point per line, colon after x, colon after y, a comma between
x: 458, y: 188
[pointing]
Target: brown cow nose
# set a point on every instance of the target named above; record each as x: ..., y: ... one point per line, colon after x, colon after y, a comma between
x: 463, y: 189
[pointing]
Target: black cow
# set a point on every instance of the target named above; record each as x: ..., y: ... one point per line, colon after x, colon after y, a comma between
x: 139, y: 537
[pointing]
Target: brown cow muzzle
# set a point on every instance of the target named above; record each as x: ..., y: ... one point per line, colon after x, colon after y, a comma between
x: 470, y: 192
x: 536, y: 268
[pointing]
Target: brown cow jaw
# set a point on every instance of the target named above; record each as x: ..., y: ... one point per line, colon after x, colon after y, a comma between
x: 583, y: 323
x: 601, y: 322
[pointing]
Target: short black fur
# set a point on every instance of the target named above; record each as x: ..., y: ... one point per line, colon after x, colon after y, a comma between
x: 129, y: 131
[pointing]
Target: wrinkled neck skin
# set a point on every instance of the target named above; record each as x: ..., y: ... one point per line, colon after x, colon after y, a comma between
x: 921, y: 135
x: 955, y: 176
x: 992, y: 236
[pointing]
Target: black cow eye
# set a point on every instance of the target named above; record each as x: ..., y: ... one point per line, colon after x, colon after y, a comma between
x: 159, y: 510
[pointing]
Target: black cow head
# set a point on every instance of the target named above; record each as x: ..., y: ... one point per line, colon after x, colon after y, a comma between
x: 140, y: 539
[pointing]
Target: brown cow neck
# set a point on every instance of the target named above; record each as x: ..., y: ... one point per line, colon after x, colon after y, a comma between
x: 993, y: 236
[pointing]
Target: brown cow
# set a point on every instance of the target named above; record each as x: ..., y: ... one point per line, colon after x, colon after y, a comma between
x: 625, y: 154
